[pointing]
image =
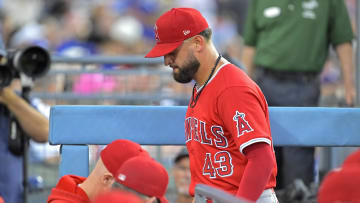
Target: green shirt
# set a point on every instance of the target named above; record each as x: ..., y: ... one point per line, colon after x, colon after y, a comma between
x: 294, y: 35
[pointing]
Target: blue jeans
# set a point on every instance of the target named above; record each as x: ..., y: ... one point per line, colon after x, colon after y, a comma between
x: 291, y: 89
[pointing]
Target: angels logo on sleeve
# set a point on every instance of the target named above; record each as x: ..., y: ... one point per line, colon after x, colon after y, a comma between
x: 242, y: 124
x: 157, y: 38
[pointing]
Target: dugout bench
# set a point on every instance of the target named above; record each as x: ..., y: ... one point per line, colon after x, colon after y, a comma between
x: 76, y: 127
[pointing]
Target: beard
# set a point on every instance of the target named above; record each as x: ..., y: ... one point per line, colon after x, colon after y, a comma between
x: 187, y: 71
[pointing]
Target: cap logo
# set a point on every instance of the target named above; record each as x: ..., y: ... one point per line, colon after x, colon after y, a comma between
x: 122, y: 177
x: 157, y: 38
x: 186, y: 32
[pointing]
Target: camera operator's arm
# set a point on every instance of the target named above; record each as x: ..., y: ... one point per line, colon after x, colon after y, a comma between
x: 32, y: 122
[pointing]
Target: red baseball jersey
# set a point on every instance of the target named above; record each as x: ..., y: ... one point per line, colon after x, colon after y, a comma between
x: 231, y: 114
x: 68, y: 190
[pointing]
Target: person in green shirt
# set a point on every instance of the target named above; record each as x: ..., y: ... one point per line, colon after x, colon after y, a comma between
x: 286, y: 45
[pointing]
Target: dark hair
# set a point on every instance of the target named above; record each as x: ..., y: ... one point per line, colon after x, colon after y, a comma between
x: 182, y: 154
x: 206, y: 33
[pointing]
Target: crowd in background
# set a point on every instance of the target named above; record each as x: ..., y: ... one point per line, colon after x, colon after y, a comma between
x: 124, y: 27
x: 111, y: 28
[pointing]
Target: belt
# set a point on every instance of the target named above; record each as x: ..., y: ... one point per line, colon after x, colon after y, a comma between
x: 289, y: 75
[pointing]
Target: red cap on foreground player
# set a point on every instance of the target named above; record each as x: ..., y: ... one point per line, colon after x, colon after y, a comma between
x: 118, y: 151
x: 341, y: 185
x: 144, y: 175
x: 353, y: 159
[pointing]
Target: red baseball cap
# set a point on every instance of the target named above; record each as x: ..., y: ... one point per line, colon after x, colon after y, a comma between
x: 175, y: 26
x: 118, y: 151
x: 144, y: 175
x: 341, y: 185
x: 352, y: 159
x: 116, y: 196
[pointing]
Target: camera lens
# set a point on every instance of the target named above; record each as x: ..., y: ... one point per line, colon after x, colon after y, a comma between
x: 33, y: 61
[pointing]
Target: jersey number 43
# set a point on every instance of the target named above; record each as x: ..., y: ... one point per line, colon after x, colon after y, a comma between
x: 224, y: 162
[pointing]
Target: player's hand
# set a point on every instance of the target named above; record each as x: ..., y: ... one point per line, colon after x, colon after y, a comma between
x: 7, y: 94
x: 350, y: 94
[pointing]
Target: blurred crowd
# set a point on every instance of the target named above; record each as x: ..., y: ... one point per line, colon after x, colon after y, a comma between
x: 125, y: 27
x: 112, y: 28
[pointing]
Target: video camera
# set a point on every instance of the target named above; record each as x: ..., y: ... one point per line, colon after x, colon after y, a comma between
x: 33, y: 61
x: 27, y: 64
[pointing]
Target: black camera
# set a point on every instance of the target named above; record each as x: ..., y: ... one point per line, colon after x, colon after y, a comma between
x: 28, y: 64
x: 33, y: 61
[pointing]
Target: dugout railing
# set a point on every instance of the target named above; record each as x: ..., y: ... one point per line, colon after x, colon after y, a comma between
x: 203, y: 192
x: 69, y: 69
x: 76, y: 127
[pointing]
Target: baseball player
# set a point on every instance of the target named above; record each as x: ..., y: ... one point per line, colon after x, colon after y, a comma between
x: 227, y: 127
x: 181, y: 173
x: 72, y: 188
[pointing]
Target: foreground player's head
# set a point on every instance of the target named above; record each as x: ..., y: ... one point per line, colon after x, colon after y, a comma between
x: 111, y: 158
x: 353, y: 159
x: 118, y: 151
x: 144, y: 176
x: 341, y: 186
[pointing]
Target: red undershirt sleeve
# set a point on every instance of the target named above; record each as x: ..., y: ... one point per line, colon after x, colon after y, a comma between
x: 257, y: 171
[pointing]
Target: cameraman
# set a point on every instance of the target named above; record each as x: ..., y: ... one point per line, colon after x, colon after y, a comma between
x: 34, y: 124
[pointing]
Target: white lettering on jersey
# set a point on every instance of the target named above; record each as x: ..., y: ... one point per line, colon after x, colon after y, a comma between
x: 203, y: 134
x: 220, y: 140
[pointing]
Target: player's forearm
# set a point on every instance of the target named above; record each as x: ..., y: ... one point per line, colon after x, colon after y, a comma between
x: 257, y: 171
x: 345, y: 54
x: 33, y: 123
x: 248, y: 59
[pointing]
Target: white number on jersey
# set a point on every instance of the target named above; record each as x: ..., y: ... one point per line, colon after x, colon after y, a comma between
x: 225, y: 169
